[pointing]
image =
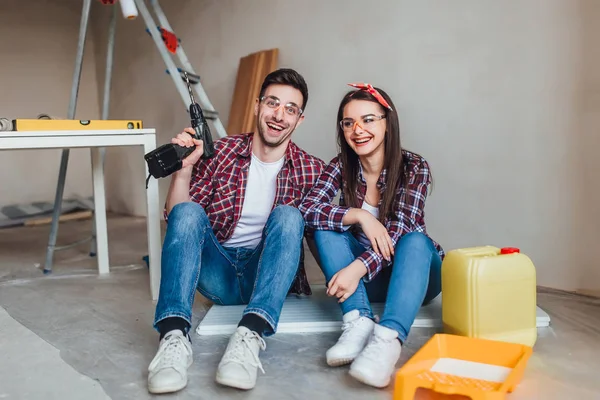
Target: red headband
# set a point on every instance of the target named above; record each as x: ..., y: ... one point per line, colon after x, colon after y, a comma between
x: 369, y: 88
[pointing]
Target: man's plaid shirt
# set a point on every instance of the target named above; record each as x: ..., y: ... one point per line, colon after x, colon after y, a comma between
x: 219, y: 186
x: 320, y: 213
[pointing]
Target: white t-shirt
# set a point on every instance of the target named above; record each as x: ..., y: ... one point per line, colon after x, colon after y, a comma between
x: 258, y: 202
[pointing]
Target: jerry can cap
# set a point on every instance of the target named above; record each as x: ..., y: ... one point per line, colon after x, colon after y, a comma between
x: 509, y: 250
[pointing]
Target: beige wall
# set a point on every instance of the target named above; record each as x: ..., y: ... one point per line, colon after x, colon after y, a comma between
x: 500, y: 97
x: 36, y: 68
x: 586, y: 142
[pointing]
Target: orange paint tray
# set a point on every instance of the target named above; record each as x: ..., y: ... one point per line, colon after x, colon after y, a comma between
x: 479, y: 369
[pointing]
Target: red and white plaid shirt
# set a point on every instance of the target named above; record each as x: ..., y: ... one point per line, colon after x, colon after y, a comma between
x: 219, y: 186
x: 320, y: 213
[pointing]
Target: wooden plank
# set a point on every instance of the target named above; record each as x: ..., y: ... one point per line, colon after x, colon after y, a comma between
x: 66, y: 217
x: 252, y: 70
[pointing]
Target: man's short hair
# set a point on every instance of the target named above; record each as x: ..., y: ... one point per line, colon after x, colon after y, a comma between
x: 289, y: 77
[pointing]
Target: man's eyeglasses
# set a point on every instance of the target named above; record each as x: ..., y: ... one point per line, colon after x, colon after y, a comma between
x: 274, y: 103
x: 368, y: 121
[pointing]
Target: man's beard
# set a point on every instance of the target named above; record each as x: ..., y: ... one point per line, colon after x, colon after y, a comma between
x: 263, y: 138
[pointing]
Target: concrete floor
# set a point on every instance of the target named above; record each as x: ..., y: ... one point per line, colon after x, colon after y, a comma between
x: 74, y: 335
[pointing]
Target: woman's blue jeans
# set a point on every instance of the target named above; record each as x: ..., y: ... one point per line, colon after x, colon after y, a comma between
x: 413, y: 279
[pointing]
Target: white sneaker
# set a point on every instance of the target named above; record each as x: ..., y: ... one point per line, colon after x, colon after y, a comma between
x: 376, y: 363
x: 168, y: 370
x: 357, y: 331
x: 238, y: 367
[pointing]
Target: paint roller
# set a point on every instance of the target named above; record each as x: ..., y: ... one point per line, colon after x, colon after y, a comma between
x: 128, y: 9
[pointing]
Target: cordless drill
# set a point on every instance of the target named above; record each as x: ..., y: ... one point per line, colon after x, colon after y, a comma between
x: 168, y: 158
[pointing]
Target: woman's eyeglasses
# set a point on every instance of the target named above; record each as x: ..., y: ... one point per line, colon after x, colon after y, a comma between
x: 368, y: 121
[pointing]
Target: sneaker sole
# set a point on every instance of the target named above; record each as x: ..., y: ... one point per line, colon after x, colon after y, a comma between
x: 338, y: 362
x: 234, y: 383
x: 167, y: 389
x: 361, y: 378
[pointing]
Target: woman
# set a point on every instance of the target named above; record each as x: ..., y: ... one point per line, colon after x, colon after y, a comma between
x: 373, y: 246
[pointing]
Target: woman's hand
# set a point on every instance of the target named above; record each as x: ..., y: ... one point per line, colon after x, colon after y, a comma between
x: 377, y: 235
x: 344, y: 283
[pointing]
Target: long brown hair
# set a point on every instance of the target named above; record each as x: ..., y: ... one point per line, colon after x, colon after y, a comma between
x: 393, y: 161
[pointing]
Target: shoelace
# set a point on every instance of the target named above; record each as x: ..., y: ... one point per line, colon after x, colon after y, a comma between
x: 173, y: 351
x: 347, y: 328
x: 241, y: 346
x: 371, y: 351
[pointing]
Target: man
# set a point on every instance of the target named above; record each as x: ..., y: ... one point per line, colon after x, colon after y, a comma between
x: 234, y: 233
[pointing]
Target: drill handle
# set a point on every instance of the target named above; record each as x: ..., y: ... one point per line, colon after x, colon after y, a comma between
x: 202, y: 130
x: 183, y: 152
x: 206, y: 137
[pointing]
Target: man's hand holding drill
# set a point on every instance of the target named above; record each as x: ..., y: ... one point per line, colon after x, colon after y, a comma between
x: 186, y: 139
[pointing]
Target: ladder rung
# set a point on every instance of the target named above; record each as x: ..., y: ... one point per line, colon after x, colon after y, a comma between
x: 208, y: 114
x: 192, y: 77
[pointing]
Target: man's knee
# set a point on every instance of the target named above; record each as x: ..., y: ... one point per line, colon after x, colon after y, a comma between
x: 288, y: 219
x: 187, y: 216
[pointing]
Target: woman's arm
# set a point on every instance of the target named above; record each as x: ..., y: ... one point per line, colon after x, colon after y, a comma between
x: 408, y: 210
x: 355, y: 216
x: 317, y: 208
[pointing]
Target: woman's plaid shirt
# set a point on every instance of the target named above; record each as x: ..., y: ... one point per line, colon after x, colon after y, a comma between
x: 409, y: 216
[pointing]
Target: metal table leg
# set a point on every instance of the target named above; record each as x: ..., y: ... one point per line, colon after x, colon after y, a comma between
x: 65, y: 153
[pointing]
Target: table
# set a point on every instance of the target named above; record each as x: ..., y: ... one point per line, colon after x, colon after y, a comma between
x: 96, y: 140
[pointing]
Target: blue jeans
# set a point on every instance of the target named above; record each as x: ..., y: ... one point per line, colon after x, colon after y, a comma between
x: 413, y: 279
x: 193, y: 259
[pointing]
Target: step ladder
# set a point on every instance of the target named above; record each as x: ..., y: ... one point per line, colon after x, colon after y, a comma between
x: 168, y: 44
